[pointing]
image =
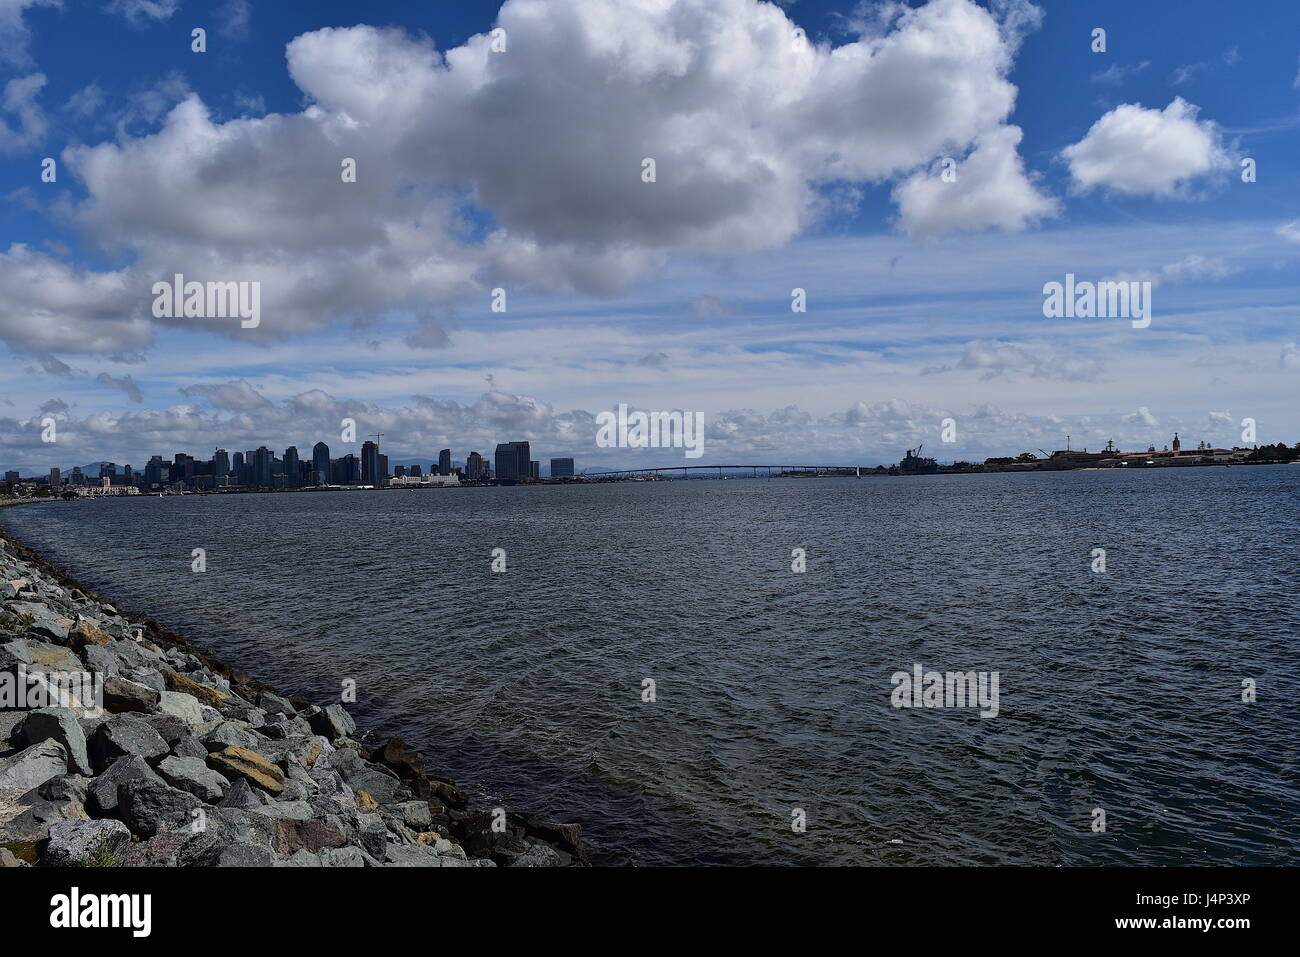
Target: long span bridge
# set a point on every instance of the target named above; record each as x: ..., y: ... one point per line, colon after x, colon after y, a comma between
x: 671, y: 471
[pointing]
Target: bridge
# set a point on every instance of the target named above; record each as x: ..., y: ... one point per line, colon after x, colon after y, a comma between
x: 753, y: 470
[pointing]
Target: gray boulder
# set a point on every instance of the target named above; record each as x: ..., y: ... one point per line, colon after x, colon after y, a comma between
x: 246, y: 855
x: 242, y: 796
x: 103, y: 793
x: 76, y: 843
x: 189, y: 747
x: 272, y: 703
x: 343, y: 857
x: 414, y: 814
x: 333, y: 722
x: 193, y: 775
x: 32, y: 767
x: 58, y: 724
x: 13, y: 654
x: 122, y: 736
x: 103, y: 661
x: 411, y: 855
x: 121, y: 696
x: 182, y: 705
x: 149, y: 806
x: 228, y: 734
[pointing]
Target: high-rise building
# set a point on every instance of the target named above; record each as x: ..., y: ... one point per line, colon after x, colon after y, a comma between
x: 369, y: 463
x: 383, y: 470
x: 346, y: 470
x: 561, y: 468
x: 291, y: 467
x: 534, y: 469
x: 55, y: 480
x: 474, y: 467
x: 153, y: 471
x: 320, y: 461
x: 12, y: 476
x: 444, y: 462
x: 523, y: 456
x: 513, y: 461
x: 221, y: 462
x: 399, y: 471
x: 262, y: 467
x: 506, y: 462
x: 108, y: 470
x: 415, y: 470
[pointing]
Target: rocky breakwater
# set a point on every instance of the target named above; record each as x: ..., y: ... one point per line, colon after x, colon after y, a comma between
x: 191, y: 763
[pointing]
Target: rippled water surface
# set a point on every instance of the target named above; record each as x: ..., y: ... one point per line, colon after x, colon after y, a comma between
x: 1119, y: 691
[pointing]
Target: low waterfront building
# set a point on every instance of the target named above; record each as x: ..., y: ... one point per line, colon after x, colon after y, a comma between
x: 416, y: 481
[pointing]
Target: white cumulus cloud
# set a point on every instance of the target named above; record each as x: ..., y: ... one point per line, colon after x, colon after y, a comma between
x: 1139, y: 151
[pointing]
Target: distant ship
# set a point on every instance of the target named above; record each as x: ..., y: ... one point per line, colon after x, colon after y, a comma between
x: 914, y: 464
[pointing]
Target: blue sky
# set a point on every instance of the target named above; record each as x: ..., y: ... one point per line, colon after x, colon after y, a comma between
x: 492, y: 170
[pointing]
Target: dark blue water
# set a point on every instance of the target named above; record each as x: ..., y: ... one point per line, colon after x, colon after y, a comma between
x: 1120, y: 691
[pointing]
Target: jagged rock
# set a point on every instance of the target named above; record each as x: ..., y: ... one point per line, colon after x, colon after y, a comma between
x: 237, y: 709
x: 302, y: 859
x: 76, y: 843
x: 246, y: 855
x: 193, y: 775
x: 121, y: 696
x: 13, y: 654
x: 87, y: 633
x: 189, y: 747
x: 343, y: 857
x: 365, y: 802
x: 229, y: 735
x: 32, y: 767
x: 103, y: 792
x: 161, y: 850
x: 31, y: 820
x: 122, y: 736
x: 204, y: 694
x: 147, y: 677
x: 567, y: 837
x: 241, y: 795
x: 411, y: 855
x: 312, y: 834
x: 171, y: 728
x: 182, y: 705
x: 373, y: 835
x: 272, y: 703
x: 45, y: 622
x: 58, y: 724
x: 149, y: 806
x: 7, y: 859
x: 414, y: 814
x: 287, y: 810
x: 102, y: 661
x: 333, y: 722
x: 533, y: 855
x: 241, y: 762
x: 67, y: 787
x: 53, y: 658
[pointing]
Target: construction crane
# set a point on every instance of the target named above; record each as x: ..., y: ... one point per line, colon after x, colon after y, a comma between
x: 378, y: 436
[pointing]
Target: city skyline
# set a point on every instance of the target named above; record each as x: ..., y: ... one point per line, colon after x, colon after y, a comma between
x: 674, y: 294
